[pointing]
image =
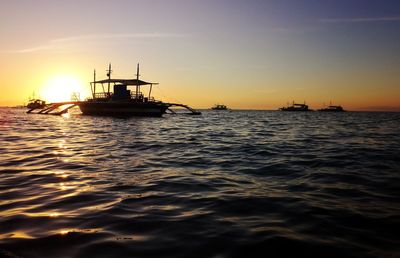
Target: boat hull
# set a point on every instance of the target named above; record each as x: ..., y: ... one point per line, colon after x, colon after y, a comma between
x: 295, y: 109
x: 35, y: 106
x: 153, y: 109
x: 331, y: 110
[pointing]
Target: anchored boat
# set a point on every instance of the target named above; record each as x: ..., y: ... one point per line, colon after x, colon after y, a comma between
x: 117, y: 100
x: 219, y: 107
x: 296, y: 107
x: 122, y: 101
x: 36, y: 103
x: 332, y: 109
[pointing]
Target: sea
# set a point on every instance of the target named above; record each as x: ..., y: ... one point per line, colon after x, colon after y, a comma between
x: 223, y: 184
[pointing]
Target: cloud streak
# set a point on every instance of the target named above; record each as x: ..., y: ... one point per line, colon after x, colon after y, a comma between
x: 120, y: 36
x: 361, y: 20
x: 57, y: 44
x: 36, y: 49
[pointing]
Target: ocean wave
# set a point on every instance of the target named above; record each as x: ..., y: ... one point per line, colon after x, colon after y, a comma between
x: 224, y: 184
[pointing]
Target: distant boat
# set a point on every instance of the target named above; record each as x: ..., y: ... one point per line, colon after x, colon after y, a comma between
x: 332, y: 109
x: 295, y: 107
x: 219, y: 107
x: 36, y: 104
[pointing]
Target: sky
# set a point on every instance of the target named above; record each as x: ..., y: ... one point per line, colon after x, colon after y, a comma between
x: 246, y: 54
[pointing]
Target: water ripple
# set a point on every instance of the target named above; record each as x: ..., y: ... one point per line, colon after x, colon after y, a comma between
x: 225, y: 184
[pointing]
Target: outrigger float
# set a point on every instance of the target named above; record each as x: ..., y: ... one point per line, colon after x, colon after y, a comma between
x: 119, y: 102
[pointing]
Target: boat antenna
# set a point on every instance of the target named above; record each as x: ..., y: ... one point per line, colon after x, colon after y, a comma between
x: 94, y: 84
x: 109, y: 71
x: 151, y: 87
x: 137, y: 81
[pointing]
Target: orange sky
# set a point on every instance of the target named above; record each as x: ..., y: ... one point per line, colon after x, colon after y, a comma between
x: 242, y: 55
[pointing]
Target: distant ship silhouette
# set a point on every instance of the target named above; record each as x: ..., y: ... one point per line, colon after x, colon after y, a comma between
x: 296, y: 107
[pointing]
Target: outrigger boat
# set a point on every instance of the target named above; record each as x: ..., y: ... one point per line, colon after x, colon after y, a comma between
x: 332, y: 109
x: 219, y: 107
x: 296, y: 107
x: 122, y: 101
x: 119, y: 102
x: 36, y: 103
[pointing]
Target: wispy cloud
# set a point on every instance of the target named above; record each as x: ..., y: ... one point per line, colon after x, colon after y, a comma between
x: 294, y: 30
x: 121, y: 36
x: 36, y: 49
x: 361, y: 20
x: 58, y: 45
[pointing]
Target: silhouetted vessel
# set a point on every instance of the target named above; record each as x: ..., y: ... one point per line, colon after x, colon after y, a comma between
x: 122, y: 101
x: 295, y: 107
x: 219, y: 107
x: 332, y: 109
x: 118, y: 102
x: 36, y: 104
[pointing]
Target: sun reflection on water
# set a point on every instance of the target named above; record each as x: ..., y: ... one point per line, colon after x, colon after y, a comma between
x: 54, y: 214
x: 20, y: 234
x: 60, y: 173
x: 66, y: 115
x: 65, y: 231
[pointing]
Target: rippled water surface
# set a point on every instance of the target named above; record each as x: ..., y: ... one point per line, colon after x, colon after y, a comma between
x: 224, y: 184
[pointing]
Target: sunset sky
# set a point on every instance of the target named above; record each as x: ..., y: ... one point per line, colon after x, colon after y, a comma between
x: 247, y: 54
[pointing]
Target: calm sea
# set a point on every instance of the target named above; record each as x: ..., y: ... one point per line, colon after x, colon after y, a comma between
x: 224, y: 184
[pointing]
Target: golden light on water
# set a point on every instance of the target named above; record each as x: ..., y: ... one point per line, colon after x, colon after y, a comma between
x: 78, y: 230
x: 61, y: 87
x: 54, y: 215
x: 20, y: 234
x: 65, y: 231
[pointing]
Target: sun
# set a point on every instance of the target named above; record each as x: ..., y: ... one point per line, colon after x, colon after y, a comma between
x: 62, y: 87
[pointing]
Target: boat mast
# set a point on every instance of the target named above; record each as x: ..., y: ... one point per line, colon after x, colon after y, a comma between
x: 137, y: 82
x: 151, y: 86
x: 94, y: 84
x: 109, y: 78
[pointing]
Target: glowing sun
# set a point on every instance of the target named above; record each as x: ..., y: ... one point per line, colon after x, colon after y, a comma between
x: 61, y: 88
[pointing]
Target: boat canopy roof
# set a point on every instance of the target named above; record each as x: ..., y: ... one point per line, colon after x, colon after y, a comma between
x: 126, y: 81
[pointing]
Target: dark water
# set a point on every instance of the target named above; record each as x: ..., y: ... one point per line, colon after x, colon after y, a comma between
x: 224, y: 184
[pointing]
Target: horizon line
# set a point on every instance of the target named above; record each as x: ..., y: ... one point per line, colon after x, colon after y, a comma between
x: 358, y: 109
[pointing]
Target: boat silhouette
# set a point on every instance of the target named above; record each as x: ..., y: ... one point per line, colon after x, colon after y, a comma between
x: 332, y: 108
x: 116, y: 99
x: 296, y: 107
x: 36, y: 104
x: 219, y: 107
